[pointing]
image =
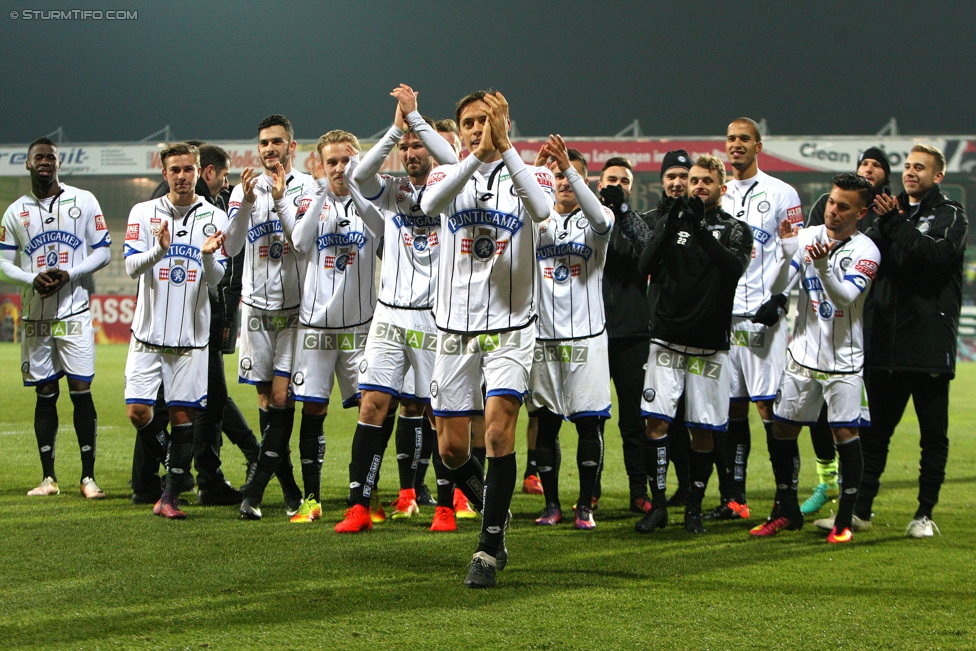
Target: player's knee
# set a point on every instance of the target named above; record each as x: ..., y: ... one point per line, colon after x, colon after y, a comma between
x: 78, y: 385
x: 411, y: 409
x: 139, y: 415
x: 373, y: 407
x: 739, y: 410
x: 46, y: 390
x: 701, y: 440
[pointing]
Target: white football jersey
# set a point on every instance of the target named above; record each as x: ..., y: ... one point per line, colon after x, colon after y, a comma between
x: 340, y: 260
x: 411, y: 246
x: 571, y: 254
x: 828, y: 334
x: 273, y: 272
x: 173, y: 308
x: 486, y: 269
x: 762, y: 202
x: 55, y: 233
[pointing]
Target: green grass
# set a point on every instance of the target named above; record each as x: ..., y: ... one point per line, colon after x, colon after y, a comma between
x: 109, y: 575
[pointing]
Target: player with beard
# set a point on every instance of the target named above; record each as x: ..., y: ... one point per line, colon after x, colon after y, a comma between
x: 403, y: 334
x: 674, y: 181
x: 758, y: 353
x: 570, y: 375
x: 484, y: 310
x: 338, y: 245
x: 835, y: 265
x: 873, y: 165
x: 697, y: 255
x: 271, y: 293
x: 51, y: 242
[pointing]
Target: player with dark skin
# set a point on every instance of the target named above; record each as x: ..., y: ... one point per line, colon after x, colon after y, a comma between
x: 43, y: 164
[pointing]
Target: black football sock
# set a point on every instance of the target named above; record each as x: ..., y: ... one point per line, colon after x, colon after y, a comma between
x: 739, y: 446
x: 409, y: 441
x: 656, y: 463
x: 589, y: 456
x: 150, y: 452
x: 86, y: 427
x: 723, y: 458
x: 178, y: 458
x: 285, y: 470
x: 548, y: 455
x: 368, y: 444
x: 445, y: 482
x: 311, y: 448
x: 389, y: 424
x: 531, y: 464
x: 678, y: 451
x: 499, y: 486
x: 46, y: 431
x: 272, y: 449
x: 822, y: 438
x: 470, y: 478
x: 481, y: 454
x: 427, y: 444
x: 699, y: 472
x: 785, y: 456
x: 851, y: 470
x: 262, y: 420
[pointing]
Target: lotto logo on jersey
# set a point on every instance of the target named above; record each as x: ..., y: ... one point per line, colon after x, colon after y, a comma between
x: 100, y: 224
x: 436, y: 177
x: 132, y: 232
x: 795, y: 215
x: 867, y: 267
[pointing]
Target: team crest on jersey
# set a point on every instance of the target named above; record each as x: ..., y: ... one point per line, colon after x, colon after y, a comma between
x: 649, y: 395
x: 363, y: 365
x: 26, y: 221
x: 178, y: 274
x: 925, y: 223
x: 845, y: 263
x: 74, y: 212
x: 582, y: 222
x: 420, y: 243
x: 276, y: 249
x: 246, y: 364
x: 25, y: 367
x: 763, y: 207
x: 51, y: 258
x: 342, y: 260
x: 483, y: 247
x: 561, y: 273
x: 433, y: 389
x: 298, y: 379
x: 209, y: 229
x: 825, y: 310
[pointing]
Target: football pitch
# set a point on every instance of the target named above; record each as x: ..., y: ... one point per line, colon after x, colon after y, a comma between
x: 109, y: 575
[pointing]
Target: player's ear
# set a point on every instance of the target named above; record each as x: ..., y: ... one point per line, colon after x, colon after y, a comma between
x: 724, y: 188
x: 292, y: 147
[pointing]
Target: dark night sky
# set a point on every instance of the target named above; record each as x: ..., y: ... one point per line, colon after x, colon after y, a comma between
x: 212, y: 70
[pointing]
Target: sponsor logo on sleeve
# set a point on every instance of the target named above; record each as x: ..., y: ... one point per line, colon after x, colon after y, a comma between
x: 795, y: 215
x: 867, y: 267
x: 132, y: 232
x: 436, y: 177
x: 544, y: 179
x: 100, y: 223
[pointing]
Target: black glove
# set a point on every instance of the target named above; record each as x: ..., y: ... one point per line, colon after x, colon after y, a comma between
x: 673, y: 218
x: 697, y: 209
x: 614, y: 199
x: 770, y: 311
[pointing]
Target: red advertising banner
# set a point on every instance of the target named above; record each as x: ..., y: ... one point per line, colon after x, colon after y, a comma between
x: 111, y: 317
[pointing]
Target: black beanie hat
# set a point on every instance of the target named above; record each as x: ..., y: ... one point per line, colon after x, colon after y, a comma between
x: 676, y: 158
x: 876, y: 153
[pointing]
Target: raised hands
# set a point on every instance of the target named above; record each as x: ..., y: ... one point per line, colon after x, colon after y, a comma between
x: 555, y: 148
x: 278, y: 181
x: 163, y: 236
x: 213, y: 242
x: 787, y: 229
x: 249, y: 178
x: 498, y: 119
x: 406, y: 99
